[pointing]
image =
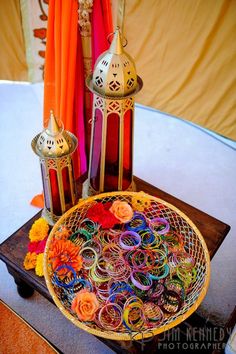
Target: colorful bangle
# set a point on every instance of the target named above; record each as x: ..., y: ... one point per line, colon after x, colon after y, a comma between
x: 89, y: 225
x: 129, y: 240
x: 80, y: 236
x: 69, y: 270
x: 184, y: 258
x: 155, y: 243
x: 156, y: 292
x: 174, y: 241
x: 88, y: 261
x: 153, y: 313
x: 177, y: 286
x: 137, y: 223
x: 171, y: 302
x: 157, y: 275
x: 133, y: 316
x: 93, y: 243
x: 110, y: 251
x: 82, y: 284
x: 108, y: 236
x: 110, y: 316
x: 138, y: 259
x: 160, y: 225
x: 147, y: 236
x: 144, y: 277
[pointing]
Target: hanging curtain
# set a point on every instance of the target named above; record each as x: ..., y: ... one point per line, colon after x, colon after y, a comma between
x: 13, y: 65
x: 63, y: 63
x: 95, y: 21
x: 185, y: 52
x: 73, y: 43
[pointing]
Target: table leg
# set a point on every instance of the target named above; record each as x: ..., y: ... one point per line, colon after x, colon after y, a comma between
x: 23, y: 289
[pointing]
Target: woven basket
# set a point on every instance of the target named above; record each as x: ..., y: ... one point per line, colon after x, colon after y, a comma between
x: 194, y: 245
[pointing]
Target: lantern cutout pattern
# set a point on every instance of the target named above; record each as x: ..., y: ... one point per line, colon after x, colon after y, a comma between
x: 114, y: 83
x: 55, y: 146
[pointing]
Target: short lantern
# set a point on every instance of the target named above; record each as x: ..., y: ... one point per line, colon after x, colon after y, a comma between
x: 114, y: 83
x: 55, y: 146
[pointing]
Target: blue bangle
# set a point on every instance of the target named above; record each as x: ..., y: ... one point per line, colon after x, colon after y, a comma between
x: 85, y: 283
x: 60, y: 283
x: 139, y: 219
x: 147, y: 236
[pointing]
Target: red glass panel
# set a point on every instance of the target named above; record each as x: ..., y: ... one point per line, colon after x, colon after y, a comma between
x: 127, y: 153
x: 96, y: 151
x: 55, y: 192
x: 112, y: 153
x: 66, y: 187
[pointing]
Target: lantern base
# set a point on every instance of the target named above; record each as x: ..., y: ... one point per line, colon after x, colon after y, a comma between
x: 88, y: 190
x: 50, y: 217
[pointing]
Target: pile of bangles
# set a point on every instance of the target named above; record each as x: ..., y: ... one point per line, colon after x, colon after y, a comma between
x: 139, y: 272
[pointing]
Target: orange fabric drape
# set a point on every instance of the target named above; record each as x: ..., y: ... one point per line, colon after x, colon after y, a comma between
x: 59, y: 81
x: 60, y: 67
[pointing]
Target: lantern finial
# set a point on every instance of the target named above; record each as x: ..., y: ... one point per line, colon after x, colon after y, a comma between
x: 116, y: 45
x: 53, y: 127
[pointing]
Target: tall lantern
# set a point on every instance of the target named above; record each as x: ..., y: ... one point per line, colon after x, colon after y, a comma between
x: 55, y: 146
x: 114, y: 83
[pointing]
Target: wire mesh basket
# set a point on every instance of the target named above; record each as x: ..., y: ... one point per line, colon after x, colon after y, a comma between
x: 64, y: 289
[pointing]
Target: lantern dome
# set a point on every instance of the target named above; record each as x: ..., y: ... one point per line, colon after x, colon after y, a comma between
x: 114, y: 72
x: 54, y: 141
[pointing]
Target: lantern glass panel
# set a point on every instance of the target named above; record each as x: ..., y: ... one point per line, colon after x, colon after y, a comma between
x: 45, y: 186
x: 127, y: 152
x: 96, y: 150
x: 112, y: 153
x: 56, y: 202
x: 66, y: 187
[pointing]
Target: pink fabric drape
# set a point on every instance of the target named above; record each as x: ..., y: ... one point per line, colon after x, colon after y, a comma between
x: 79, y: 106
x: 101, y: 27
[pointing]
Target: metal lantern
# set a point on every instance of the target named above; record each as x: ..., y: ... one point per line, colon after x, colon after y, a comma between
x: 114, y: 83
x: 55, y: 146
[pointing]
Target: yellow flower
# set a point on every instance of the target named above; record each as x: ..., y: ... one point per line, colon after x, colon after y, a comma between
x: 39, y: 265
x: 140, y: 203
x: 30, y: 260
x: 39, y: 230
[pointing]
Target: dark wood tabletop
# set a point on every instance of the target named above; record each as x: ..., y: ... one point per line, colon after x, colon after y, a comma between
x: 14, y: 249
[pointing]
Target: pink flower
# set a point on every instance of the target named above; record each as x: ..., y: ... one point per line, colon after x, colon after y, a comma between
x: 37, y: 247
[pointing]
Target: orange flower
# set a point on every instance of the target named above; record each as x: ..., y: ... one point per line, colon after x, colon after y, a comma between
x: 85, y: 305
x: 39, y: 230
x: 122, y: 210
x: 30, y: 260
x: 62, y: 233
x: 64, y: 252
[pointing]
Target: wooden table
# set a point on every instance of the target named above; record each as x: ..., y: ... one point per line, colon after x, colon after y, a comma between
x: 13, y: 250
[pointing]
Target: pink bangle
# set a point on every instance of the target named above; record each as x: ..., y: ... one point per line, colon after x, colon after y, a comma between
x: 138, y: 284
x: 160, y: 221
